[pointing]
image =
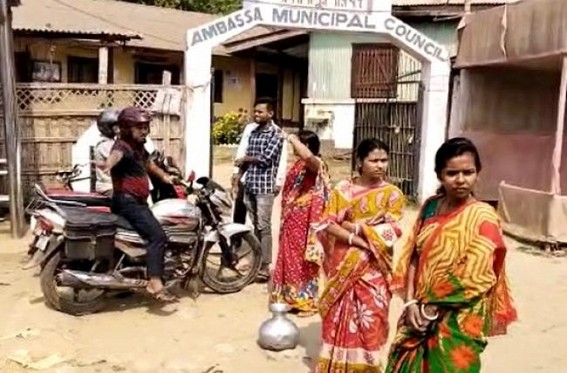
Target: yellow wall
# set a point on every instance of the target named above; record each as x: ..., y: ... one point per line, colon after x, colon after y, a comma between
x: 239, y: 95
x: 237, y: 89
x: 237, y: 86
x: 124, y: 71
x: 45, y: 50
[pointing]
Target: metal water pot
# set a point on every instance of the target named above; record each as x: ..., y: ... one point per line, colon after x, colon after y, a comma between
x: 278, y: 333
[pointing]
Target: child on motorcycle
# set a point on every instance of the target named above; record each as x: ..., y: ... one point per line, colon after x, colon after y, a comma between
x: 129, y: 167
x: 107, y: 124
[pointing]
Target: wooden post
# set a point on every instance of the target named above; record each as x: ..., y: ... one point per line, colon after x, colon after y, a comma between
x: 558, y: 147
x: 11, y: 132
x: 103, y: 65
x: 212, y: 120
x: 252, y: 85
x: 280, y: 100
x: 468, y: 6
x: 166, y: 82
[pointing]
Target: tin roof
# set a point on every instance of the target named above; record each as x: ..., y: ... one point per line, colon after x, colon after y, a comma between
x: 146, y: 26
x: 515, y: 35
x: 58, y: 17
x: 403, y: 3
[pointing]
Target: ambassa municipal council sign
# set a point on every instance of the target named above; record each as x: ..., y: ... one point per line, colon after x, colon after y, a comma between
x: 291, y: 17
x: 344, y: 5
x: 312, y: 14
x: 339, y: 14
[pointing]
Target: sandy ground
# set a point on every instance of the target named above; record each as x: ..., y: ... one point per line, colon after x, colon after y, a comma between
x: 217, y: 334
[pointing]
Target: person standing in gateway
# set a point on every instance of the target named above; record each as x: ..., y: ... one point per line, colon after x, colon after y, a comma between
x: 260, y: 165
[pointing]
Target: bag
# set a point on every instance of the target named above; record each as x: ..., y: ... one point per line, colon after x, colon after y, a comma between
x: 89, y: 235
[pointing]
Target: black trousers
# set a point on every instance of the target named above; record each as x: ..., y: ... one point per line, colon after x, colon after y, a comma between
x: 240, y: 210
x: 139, y: 215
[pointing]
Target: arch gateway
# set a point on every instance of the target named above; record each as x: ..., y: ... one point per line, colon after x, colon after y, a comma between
x: 351, y: 16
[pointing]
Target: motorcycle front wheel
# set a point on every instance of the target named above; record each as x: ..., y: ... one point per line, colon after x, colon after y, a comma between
x: 248, y: 250
x: 53, y: 296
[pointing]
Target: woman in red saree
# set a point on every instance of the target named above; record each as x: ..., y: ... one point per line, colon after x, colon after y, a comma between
x: 357, y: 233
x: 305, y: 192
x: 451, y: 274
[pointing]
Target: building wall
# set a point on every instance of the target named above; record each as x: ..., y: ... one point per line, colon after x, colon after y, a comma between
x: 237, y: 89
x: 54, y: 51
x: 329, y: 108
x: 443, y: 32
x: 511, y: 115
x: 330, y: 57
x: 237, y: 86
x: 124, y: 70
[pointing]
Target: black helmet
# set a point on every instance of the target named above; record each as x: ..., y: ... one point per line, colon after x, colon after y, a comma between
x: 106, y: 121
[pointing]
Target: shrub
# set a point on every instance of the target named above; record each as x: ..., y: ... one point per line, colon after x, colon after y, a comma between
x: 228, y: 128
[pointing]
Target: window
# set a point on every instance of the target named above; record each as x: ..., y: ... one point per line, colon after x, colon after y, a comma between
x: 82, y: 70
x: 218, y: 86
x: 23, y: 66
x: 374, y: 71
x: 152, y: 73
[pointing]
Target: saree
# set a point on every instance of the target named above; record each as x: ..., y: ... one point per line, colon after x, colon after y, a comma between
x: 461, y: 270
x: 355, y: 302
x: 296, y: 274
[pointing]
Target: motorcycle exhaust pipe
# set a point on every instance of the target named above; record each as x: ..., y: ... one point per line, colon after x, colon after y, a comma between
x: 89, y: 280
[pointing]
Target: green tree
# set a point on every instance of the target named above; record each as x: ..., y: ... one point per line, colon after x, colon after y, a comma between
x: 203, y: 6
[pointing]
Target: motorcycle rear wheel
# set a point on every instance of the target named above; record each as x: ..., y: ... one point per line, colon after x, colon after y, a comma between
x: 56, y: 301
x: 225, y: 287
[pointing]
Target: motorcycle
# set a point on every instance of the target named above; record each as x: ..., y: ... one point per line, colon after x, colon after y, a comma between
x: 94, y: 254
x: 67, y: 196
x: 67, y: 193
x: 99, y: 202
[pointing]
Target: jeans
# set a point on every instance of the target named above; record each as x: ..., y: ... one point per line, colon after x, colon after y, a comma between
x: 260, y: 209
x: 239, y: 215
x: 141, y: 218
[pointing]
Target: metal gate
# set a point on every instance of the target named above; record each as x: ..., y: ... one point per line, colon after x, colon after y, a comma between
x: 388, y: 107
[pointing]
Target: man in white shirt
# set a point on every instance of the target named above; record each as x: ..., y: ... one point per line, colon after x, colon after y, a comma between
x: 107, y: 124
x: 240, y: 211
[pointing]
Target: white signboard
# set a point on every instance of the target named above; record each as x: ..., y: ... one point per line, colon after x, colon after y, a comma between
x: 315, y: 19
x: 367, y: 6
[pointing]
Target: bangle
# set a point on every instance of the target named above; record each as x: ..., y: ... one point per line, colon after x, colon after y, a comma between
x: 409, y: 303
x: 350, y: 237
x: 426, y: 316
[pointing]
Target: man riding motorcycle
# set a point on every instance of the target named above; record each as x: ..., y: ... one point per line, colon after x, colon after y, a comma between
x: 129, y: 167
x: 107, y: 124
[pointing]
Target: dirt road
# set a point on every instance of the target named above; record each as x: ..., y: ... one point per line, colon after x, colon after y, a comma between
x: 218, y: 333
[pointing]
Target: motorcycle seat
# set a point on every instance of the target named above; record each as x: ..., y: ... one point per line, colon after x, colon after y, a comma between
x: 124, y: 224
x: 89, y: 200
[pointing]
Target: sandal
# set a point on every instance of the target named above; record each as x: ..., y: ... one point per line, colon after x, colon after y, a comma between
x: 163, y: 296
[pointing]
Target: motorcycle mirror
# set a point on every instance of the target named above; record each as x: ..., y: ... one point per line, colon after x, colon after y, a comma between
x: 191, y: 177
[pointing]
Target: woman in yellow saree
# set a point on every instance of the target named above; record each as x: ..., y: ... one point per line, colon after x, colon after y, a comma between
x: 358, y: 231
x: 451, y: 274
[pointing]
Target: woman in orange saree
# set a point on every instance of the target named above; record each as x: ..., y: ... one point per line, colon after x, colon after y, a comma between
x: 304, y: 195
x: 357, y: 234
x: 452, y: 274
